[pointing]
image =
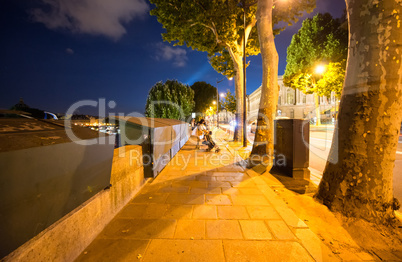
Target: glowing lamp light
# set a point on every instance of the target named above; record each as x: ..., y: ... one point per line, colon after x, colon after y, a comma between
x: 222, y: 95
x: 320, y: 69
x: 214, y: 102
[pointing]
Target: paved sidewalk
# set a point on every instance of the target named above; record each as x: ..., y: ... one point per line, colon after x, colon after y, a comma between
x: 206, y: 207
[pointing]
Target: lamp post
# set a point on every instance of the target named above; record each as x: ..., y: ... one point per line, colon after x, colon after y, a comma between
x: 217, y: 101
x: 244, y: 78
x: 242, y: 3
x: 225, y: 117
x: 215, y: 104
x: 318, y: 70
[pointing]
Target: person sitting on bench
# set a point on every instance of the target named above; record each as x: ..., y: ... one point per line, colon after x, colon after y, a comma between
x: 201, y: 128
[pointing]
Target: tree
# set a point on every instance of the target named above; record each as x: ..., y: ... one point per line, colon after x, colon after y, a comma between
x: 357, y: 179
x: 204, y: 95
x: 332, y: 80
x: 321, y: 39
x: 215, y: 27
x: 230, y: 102
x: 171, y: 99
x: 267, y: 16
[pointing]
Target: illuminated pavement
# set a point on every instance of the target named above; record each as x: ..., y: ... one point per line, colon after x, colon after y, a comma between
x: 320, y: 144
x: 206, y: 207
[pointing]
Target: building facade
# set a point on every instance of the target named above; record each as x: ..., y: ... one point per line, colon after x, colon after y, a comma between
x: 293, y: 103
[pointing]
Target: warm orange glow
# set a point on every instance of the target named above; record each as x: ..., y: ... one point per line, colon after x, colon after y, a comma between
x: 320, y: 69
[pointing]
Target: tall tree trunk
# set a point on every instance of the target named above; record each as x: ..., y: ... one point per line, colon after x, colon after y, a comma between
x: 317, y: 109
x: 264, y: 135
x: 367, y: 131
x: 238, y: 133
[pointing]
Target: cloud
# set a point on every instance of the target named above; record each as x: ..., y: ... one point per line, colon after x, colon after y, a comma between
x: 168, y: 53
x: 69, y: 51
x: 94, y: 17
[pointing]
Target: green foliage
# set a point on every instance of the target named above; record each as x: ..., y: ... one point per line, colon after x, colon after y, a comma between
x: 302, y: 81
x: 212, y: 26
x: 216, y: 26
x: 171, y: 99
x: 204, y: 95
x: 332, y: 79
x: 321, y: 39
x: 230, y: 102
x: 222, y: 63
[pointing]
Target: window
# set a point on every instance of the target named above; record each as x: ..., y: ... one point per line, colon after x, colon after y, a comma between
x: 290, y: 98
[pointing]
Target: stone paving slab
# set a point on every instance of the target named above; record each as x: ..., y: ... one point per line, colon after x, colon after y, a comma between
x: 270, y: 251
x: 232, y: 212
x: 206, y: 212
x: 255, y: 229
x: 190, y: 229
x: 114, y: 250
x: 223, y: 229
x: 179, y: 212
x: 263, y: 212
x: 319, y: 251
x: 281, y: 230
x: 184, y: 250
x: 139, y: 229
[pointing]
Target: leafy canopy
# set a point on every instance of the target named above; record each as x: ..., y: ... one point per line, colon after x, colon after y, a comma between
x: 216, y: 26
x: 204, y: 95
x: 332, y: 79
x: 171, y: 99
x: 321, y: 39
x: 212, y: 26
x: 229, y: 103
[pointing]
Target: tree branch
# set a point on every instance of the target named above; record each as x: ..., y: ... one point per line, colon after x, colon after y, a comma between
x: 218, y: 41
x: 231, y: 53
x: 250, y: 27
x: 212, y: 28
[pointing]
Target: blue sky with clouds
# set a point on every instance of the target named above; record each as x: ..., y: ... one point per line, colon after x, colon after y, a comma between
x: 54, y: 53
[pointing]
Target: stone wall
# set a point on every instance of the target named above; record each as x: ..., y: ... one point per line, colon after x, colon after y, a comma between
x: 68, y: 237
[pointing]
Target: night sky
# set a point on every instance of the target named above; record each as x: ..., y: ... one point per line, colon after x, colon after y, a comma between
x: 110, y: 49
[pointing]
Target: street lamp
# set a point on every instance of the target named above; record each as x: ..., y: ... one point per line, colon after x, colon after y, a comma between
x: 217, y: 99
x: 318, y: 70
x: 244, y: 77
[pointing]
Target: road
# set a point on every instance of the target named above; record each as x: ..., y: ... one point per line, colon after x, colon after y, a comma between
x: 320, y: 144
